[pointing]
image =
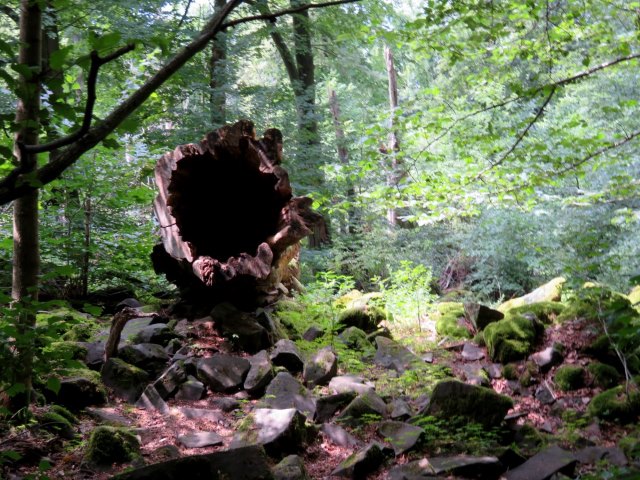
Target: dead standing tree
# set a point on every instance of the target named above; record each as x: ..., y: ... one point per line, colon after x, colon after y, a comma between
x: 229, y: 223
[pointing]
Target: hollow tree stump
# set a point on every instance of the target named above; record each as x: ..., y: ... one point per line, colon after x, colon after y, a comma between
x: 229, y: 224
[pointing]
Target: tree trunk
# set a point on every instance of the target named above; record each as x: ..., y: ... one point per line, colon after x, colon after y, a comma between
x: 343, y: 156
x: 228, y: 219
x: 393, y: 145
x: 217, y: 72
x: 26, y: 254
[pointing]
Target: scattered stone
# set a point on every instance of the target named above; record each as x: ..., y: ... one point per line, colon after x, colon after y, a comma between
x: 126, y: 380
x: 173, y: 347
x: 593, y: 455
x: 320, y: 368
x: 494, y: 370
x: 170, y: 380
x: 151, y: 400
x: 201, y: 414
x: 260, y: 373
x: 312, y: 333
x: 80, y: 389
x: 339, y: 436
x: 56, y: 423
x: 154, y: 333
x: 95, y: 354
x: 191, y: 390
x: 328, y: 405
x: 471, y: 352
x: 475, y: 374
x: 604, y: 376
x: 350, y: 383
x: 148, y: 356
x: 544, y: 464
x: 392, y: 355
x: 463, y: 465
x: 400, y: 410
x: 247, y: 463
x: 355, y: 338
x: 109, y: 416
x: 166, y: 452
x: 428, y: 357
x: 225, y: 404
x: 279, y: 431
x: 132, y: 328
x: 290, y: 468
x: 285, y: 392
x: 361, y: 463
x: 287, y: 355
x: 240, y: 328
x: 450, y: 321
x: 480, y: 315
x: 402, y: 436
x: 200, y: 439
x: 363, y: 405
x: 544, y: 395
x: 451, y: 398
x: 108, y: 445
x: 549, y: 357
x: 223, y: 373
x: 127, y: 302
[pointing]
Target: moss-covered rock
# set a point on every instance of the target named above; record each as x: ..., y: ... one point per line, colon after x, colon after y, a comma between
x: 630, y: 445
x: 595, y: 302
x: 527, y: 377
x: 366, y: 318
x: 544, y: 311
x: 60, y: 410
x: 355, y: 338
x: 66, y: 350
x: 614, y: 405
x: 549, y: 292
x: 79, y: 388
x: 56, y: 423
x: 108, y: 445
x: 449, y: 317
x: 634, y: 297
x: 126, y: 380
x: 512, y: 338
x: 510, y: 372
x: 604, y: 376
x: 569, y: 377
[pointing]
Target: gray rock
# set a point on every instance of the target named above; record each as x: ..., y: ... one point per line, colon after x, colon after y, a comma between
x: 225, y: 404
x: 151, y: 400
x: 127, y: 381
x: 451, y: 398
x: 148, y: 356
x: 260, y: 373
x: 240, y: 328
x: 321, y: 367
x: 544, y: 464
x: 593, y: 455
x: 400, y: 410
x: 191, y: 390
x: 480, y: 315
x: 223, y: 373
x: 80, y: 391
x: 170, y: 380
x: 328, y: 405
x: 200, y: 439
x: 472, y: 352
x: 281, y: 432
x: 285, y: 391
x: 109, y: 416
x: 350, y: 383
x: 392, y: 355
x: 401, y: 436
x: 287, y: 355
x: 494, y: 370
x: 132, y: 328
x: 202, y: 414
x: 547, y: 358
x: 485, y: 468
x: 95, y: 354
x: 544, y: 395
x: 290, y: 468
x: 355, y: 338
x: 127, y: 302
x: 361, y: 463
x: 427, y: 357
x: 312, y: 333
x: 474, y: 374
x: 339, y: 436
x: 173, y: 347
x: 155, y: 333
x: 363, y: 405
x: 248, y: 463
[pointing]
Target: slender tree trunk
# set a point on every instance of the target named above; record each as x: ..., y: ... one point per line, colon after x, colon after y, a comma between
x: 217, y: 72
x: 393, y: 144
x: 343, y: 156
x: 86, y: 253
x: 26, y: 255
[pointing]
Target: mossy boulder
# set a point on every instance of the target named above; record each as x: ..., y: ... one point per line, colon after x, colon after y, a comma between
x: 630, y: 445
x: 569, y: 377
x: 595, y: 302
x: 452, y: 399
x: 604, y: 376
x: 510, y: 372
x: 79, y: 388
x: 546, y: 312
x: 60, y: 410
x: 127, y: 381
x: 108, y: 445
x: 364, y: 317
x: 66, y: 350
x: 356, y: 339
x: 634, y: 297
x: 615, y: 405
x: 56, y: 423
x: 549, y: 292
x: 512, y: 338
x: 450, y: 320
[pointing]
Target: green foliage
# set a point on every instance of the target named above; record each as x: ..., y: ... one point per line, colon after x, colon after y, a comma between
x: 458, y: 435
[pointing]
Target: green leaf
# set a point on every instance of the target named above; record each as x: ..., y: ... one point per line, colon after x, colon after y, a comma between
x: 15, y: 389
x: 22, y: 69
x: 53, y: 384
x: 106, y: 42
x: 111, y: 142
x: 92, y: 309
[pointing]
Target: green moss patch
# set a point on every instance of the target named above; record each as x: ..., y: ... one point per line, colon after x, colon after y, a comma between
x: 614, y: 405
x: 546, y: 312
x: 604, y: 376
x: 512, y: 338
x: 449, y: 317
x: 108, y: 445
x: 56, y: 423
x: 569, y: 377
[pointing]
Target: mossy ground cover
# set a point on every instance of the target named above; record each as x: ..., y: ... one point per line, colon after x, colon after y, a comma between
x: 512, y: 338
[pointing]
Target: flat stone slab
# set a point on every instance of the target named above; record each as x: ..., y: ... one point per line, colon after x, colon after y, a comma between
x: 472, y: 352
x: 350, y: 383
x: 201, y: 413
x: 278, y: 431
x: 392, y: 355
x: 544, y: 464
x: 401, y: 436
x: 151, y: 400
x: 109, y: 416
x: 485, y: 468
x: 339, y: 436
x: 592, y: 455
x: 200, y: 439
x: 285, y: 391
x: 361, y: 463
x: 223, y: 373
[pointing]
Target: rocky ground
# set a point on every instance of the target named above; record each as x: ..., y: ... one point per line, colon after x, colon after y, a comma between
x: 529, y: 391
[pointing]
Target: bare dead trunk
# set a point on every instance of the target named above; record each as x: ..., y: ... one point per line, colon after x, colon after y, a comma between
x: 393, y: 145
x: 217, y: 72
x: 26, y: 254
x: 228, y: 220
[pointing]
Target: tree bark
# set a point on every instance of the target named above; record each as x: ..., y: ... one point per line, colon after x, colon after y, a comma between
x: 217, y: 72
x: 393, y: 145
x: 228, y: 220
x: 26, y: 256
